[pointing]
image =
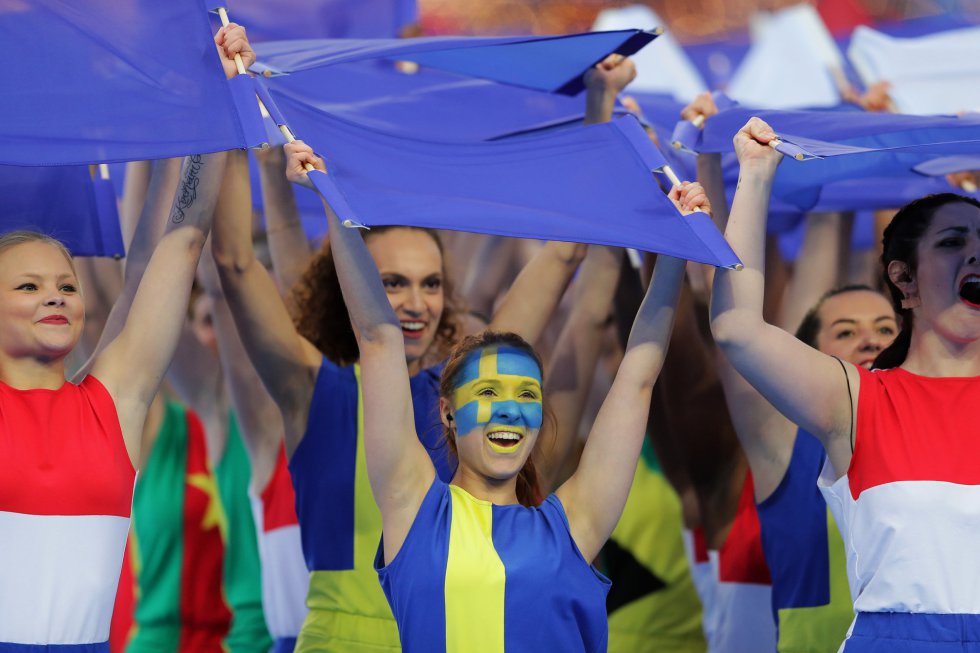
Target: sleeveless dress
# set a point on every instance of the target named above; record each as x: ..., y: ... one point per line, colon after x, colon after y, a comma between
x: 175, y: 552
x: 340, y: 524
x: 811, y: 601
x: 481, y: 578
x: 741, y: 616
x: 66, y: 488
x: 909, y: 512
x: 653, y: 605
x: 285, y: 578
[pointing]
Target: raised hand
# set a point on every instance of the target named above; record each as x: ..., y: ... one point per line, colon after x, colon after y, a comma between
x: 298, y: 154
x: 612, y: 74
x: 702, y: 106
x: 231, y: 40
x: 690, y: 196
x: 753, y: 150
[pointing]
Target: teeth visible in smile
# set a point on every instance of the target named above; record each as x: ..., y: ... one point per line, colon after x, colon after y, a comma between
x: 504, y: 435
x: 413, y: 326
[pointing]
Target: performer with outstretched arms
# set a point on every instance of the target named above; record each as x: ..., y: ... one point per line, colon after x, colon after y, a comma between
x: 461, y: 562
x: 901, y: 478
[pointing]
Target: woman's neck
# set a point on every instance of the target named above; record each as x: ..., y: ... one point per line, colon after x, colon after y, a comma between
x: 501, y: 492
x: 932, y: 354
x: 32, y: 373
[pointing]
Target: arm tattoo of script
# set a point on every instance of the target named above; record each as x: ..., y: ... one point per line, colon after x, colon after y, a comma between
x: 187, y: 191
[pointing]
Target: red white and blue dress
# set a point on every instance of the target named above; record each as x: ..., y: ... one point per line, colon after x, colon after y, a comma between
x: 285, y: 577
x: 66, y: 488
x: 909, y: 512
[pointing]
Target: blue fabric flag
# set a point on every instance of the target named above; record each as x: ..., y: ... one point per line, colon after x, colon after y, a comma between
x: 871, y: 154
x: 107, y: 81
x: 558, y: 61
x: 63, y: 202
x: 851, y: 127
x: 589, y: 184
x: 323, y: 19
x: 428, y: 104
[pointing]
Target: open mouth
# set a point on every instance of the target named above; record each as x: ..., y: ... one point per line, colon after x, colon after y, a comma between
x: 970, y: 290
x: 503, y: 441
x: 412, y: 329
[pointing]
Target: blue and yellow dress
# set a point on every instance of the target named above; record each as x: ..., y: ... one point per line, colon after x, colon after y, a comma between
x: 811, y: 600
x: 481, y: 578
x: 340, y: 524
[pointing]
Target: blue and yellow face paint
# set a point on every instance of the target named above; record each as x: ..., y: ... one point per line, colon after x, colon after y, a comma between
x: 498, y: 385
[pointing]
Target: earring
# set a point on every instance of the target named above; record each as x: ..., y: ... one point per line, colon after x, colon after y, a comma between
x: 908, y: 303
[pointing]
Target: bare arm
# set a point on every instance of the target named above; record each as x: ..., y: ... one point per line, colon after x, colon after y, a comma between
x: 258, y: 416
x: 398, y: 466
x: 132, y: 365
x: 595, y: 494
x: 146, y: 232
x: 288, y: 245
x: 573, y: 365
x: 532, y: 299
x: 535, y: 294
x: 817, y: 268
x: 285, y: 361
x: 772, y: 360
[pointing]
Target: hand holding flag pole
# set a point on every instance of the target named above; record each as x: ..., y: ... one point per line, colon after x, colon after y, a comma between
x: 287, y: 134
x: 223, y: 14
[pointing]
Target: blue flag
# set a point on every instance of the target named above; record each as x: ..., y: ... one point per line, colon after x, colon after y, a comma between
x: 545, y: 63
x: 89, y: 82
x: 65, y: 203
x: 590, y: 184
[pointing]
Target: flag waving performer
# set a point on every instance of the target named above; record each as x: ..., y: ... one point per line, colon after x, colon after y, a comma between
x: 901, y: 477
x: 310, y: 369
x: 68, y: 451
x: 461, y: 562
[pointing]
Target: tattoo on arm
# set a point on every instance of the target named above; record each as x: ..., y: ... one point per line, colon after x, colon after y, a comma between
x: 187, y: 192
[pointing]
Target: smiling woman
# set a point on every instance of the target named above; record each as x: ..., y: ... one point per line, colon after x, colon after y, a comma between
x: 413, y: 270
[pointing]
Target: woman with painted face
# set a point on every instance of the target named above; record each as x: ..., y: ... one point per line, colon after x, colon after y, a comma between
x: 311, y: 368
x: 480, y: 563
x: 901, y: 479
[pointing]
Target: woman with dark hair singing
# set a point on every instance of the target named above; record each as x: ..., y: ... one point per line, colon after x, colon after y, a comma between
x: 462, y: 562
x: 901, y: 478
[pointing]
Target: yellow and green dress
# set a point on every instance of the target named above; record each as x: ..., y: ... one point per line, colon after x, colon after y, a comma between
x: 652, y: 605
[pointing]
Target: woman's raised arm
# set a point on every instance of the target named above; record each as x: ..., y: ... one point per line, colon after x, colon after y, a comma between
x: 808, y: 387
x: 398, y: 466
x: 595, y: 495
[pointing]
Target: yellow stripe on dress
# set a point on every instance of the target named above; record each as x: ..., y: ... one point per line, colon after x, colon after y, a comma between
x: 822, y: 628
x: 475, y: 579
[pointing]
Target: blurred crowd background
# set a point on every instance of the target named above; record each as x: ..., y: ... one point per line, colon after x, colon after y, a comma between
x: 691, y: 21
